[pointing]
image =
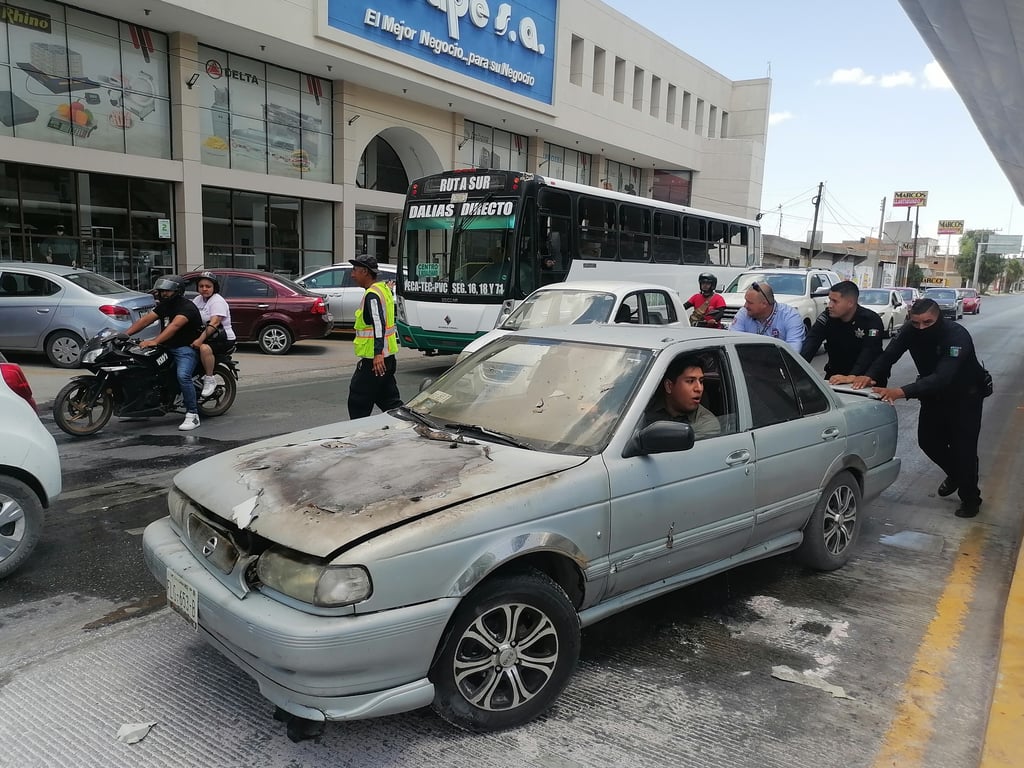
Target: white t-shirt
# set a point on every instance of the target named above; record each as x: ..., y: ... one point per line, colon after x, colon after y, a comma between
x: 215, y: 306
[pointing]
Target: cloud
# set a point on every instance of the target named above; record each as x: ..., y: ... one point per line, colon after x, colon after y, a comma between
x: 897, y: 79
x: 779, y: 117
x: 854, y: 76
x: 934, y: 77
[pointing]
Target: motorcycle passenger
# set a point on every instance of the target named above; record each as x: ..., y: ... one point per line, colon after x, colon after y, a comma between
x: 217, y: 336
x: 181, y: 324
x: 708, y: 306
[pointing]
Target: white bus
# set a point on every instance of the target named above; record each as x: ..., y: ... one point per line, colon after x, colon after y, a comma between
x: 475, y: 242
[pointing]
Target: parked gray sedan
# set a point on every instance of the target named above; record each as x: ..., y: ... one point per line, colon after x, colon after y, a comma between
x: 54, y: 309
x: 448, y: 552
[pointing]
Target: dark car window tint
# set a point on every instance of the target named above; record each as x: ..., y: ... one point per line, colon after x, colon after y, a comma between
x: 40, y: 286
x: 808, y: 392
x: 243, y: 287
x: 96, y: 284
x: 773, y: 398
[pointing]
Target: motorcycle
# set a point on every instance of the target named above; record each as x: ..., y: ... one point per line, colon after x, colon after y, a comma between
x: 130, y: 381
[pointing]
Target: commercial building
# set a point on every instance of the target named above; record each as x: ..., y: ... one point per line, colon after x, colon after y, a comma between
x: 138, y: 139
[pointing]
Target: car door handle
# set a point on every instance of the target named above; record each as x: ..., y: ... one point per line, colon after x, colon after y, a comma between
x: 738, y: 457
x: 831, y: 433
x: 262, y: 306
x: 42, y: 311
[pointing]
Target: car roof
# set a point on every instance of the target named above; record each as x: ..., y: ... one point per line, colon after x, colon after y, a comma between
x: 618, y: 287
x: 51, y: 269
x: 654, y: 337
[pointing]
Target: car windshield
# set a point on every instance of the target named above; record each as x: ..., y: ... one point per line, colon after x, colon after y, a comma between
x: 941, y: 294
x: 551, y: 395
x: 96, y: 284
x: 784, y: 285
x: 907, y: 293
x: 558, y: 307
x: 873, y: 297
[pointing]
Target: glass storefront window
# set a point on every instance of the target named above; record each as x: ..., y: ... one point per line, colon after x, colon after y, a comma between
x: 264, y: 119
x: 86, y: 80
x: 622, y: 178
x: 248, y: 230
x: 486, y: 147
x: 564, y: 163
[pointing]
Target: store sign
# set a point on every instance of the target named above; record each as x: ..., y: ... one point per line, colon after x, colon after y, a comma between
x: 508, y: 45
x: 216, y: 71
x: 163, y: 229
x: 22, y: 17
x: 909, y: 199
x: 951, y: 226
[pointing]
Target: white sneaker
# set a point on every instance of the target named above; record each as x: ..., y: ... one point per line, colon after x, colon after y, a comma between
x: 209, y: 385
x: 191, y: 422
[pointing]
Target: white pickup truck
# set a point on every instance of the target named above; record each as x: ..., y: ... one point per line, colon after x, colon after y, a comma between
x: 590, y: 301
x: 804, y: 288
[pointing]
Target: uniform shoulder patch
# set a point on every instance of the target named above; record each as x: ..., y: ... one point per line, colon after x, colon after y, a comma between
x: 872, y: 332
x: 954, y: 351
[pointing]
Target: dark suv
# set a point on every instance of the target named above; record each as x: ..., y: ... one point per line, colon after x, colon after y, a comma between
x: 271, y: 310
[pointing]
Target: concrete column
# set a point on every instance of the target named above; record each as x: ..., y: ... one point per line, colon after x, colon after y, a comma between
x: 345, y: 170
x: 185, y: 144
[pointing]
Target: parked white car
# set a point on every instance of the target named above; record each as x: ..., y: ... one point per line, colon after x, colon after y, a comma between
x: 336, y: 284
x: 890, y: 306
x: 29, y: 469
x: 805, y: 289
x: 589, y: 301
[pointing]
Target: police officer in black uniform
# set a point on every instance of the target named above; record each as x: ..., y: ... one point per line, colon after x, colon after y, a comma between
x: 853, y: 334
x: 951, y: 387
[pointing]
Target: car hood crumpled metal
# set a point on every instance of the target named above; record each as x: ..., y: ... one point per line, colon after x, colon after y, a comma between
x: 321, y: 490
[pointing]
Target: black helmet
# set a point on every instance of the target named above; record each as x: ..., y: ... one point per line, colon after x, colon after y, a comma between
x: 707, y: 277
x: 169, y: 283
x: 212, y: 278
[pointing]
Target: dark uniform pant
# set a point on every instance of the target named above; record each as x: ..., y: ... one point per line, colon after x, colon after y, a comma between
x: 947, y: 431
x: 367, y: 389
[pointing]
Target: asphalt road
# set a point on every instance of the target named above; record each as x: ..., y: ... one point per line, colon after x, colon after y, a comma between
x: 909, y: 629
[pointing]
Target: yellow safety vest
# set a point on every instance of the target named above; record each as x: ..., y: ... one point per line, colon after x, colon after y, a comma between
x: 364, y: 330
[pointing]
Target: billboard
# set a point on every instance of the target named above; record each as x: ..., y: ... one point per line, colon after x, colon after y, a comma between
x: 1002, y: 244
x: 951, y: 226
x: 511, y: 47
x: 909, y: 199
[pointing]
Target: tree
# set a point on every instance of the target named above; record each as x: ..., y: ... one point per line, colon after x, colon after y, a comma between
x: 991, y: 264
x: 1013, y: 273
x: 914, y: 275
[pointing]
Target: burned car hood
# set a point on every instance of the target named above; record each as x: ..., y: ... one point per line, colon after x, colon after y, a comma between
x: 323, y: 489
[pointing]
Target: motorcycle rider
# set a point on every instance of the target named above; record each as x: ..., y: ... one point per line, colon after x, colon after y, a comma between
x: 181, y: 324
x: 217, y: 337
x: 708, y: 306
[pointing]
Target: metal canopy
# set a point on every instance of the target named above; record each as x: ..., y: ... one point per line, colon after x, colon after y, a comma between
x: 980, y: 46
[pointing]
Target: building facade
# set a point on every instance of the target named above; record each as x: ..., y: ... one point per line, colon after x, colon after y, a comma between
x: 144, y: 139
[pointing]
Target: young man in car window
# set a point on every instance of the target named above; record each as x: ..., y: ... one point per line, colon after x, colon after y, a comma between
x: 680, y: 398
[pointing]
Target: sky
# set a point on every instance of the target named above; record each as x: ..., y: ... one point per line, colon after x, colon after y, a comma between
x: 857, y: 102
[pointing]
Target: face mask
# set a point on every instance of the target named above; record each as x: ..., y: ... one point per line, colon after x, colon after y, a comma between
x: 930, y: 332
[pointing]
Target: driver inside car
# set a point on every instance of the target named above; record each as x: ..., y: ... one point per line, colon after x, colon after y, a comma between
x: 680, y: 398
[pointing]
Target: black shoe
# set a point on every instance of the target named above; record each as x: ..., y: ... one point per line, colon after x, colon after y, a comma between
x: 968, y: 510
x: 948, y: 487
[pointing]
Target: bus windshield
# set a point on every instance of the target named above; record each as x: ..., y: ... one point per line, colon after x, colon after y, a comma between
x: 459, y: 249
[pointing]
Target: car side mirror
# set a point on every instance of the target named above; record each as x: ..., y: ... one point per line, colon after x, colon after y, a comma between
x: 660, y: 437
x: 426, y: 384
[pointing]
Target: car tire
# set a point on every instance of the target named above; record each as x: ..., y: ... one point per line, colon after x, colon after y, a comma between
x: 831, y: 533
x: 507, y: 653
x: 891, y: 332
x: 21, y: 523
x: 223, y: 396
x: 274, y: 339
x: 64, y: 349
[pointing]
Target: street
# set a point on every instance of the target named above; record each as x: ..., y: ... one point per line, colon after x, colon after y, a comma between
x: 909, y: 629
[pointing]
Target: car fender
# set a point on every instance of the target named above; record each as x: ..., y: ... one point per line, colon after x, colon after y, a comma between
x: 273, y: 317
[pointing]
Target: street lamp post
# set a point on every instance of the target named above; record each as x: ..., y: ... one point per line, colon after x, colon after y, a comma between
x: 977, y: 264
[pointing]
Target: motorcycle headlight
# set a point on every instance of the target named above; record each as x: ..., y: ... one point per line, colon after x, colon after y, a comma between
x: 91, y: 355
x: 312, y: 581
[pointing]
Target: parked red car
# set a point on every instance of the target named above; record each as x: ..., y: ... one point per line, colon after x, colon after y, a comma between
x: 972, y: 301
x: 271, y: 310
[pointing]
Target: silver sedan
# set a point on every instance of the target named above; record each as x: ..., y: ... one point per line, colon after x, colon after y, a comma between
x: 54, y: 309
x: 448, y: 552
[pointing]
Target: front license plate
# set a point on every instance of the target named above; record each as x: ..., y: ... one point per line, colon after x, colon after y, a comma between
x: 183, y: 598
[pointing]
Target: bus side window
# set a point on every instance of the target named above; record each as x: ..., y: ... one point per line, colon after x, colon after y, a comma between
x: 695, y: 246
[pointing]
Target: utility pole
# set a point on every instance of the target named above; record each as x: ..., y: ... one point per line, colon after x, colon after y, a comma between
x: 780, y: 219
x: 913, y: 256
x: 814, y: 226
x: 878, y: 261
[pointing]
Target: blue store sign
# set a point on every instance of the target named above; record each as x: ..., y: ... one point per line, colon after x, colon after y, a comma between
x: 507, y: 44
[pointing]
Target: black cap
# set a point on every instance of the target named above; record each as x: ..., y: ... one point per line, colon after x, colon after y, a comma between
x: 369, y: 262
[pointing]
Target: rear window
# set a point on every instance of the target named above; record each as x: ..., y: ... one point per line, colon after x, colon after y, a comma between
x: 96, y: 284
x: 291, y: 284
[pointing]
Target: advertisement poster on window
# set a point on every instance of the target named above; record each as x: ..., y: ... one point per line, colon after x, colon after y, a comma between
x: 264, y: 119
x: 507, y: 45
x: 76, y: 78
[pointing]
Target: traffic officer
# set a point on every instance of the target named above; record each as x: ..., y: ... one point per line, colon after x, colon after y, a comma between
x: 853, y: 335
x: 373, y: 381
x: 951, y: 387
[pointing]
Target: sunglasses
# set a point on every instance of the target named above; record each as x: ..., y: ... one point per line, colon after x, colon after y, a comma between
x: 757, y: 287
